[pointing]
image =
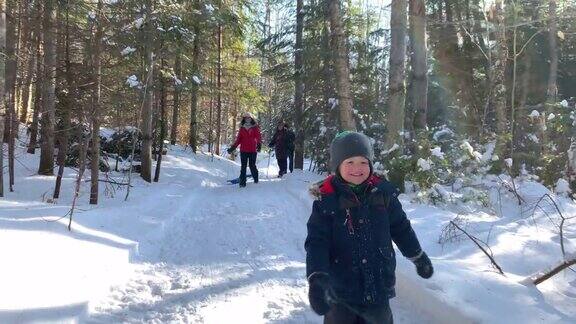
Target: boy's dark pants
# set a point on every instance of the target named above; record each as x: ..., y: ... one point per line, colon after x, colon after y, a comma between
x: 377, y: 314
x: 248, y: 159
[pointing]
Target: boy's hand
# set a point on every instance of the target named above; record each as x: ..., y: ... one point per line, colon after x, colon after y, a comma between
x: 424, y: 266
x: 230, y: 150
x: 318, y: 292
x: 259, y: 147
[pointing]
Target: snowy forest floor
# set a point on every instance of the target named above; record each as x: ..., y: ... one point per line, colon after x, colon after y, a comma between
x: 194, y: 249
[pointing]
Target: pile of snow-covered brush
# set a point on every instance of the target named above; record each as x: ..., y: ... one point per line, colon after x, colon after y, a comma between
x: 115, y: 147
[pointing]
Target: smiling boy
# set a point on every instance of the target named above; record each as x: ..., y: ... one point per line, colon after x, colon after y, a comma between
x: 350, y: 260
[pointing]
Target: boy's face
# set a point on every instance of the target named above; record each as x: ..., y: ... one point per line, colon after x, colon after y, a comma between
x: 355, y: 169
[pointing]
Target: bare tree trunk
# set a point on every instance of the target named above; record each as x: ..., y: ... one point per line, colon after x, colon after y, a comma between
x: 96, y: 106
x: 29, y: 62
x: 525, y: 82
x: 529, y: 55
x: 7, y: 22
x: 146, y: 126
x: 192, y: 136
x: 486, y: 123
x: 523, y: 97
x: 552, y: 90
x: 38, y: 85
x: 299, y: 88
x: 419, y: 62
x: 265, y: 82
x: 20, y: 55
x: 210, y: 121
x: 26, y: 56
x: 341, y: 66
x: 46, y: 166
x: 67, y: 105
x: 327, y: 71
x: 219, y: 89
x: 2, y: 98
x: 11, y: 124
x: 234, y: 119
x: 176, y: 107
x: 156, y: 117
x: 469, y: 82
x: 82, y: 164
x: 225, y: 114
x: 452, y: 60
x: 27, y: 84
x: 513, y: 85
x: 328, y: 93
x: 163, y: 94
x: 499, y: 92
x: 396, y: 85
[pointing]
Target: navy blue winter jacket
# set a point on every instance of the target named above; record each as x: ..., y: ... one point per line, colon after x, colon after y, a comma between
x: 351, y: 239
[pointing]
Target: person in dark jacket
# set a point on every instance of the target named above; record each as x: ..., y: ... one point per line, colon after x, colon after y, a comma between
x: 350, y: 260
x: 279, y: 143
x: 290, y: 139
x: 250, y: 141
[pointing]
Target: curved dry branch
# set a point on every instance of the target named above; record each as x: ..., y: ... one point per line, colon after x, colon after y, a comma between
x: 562, y: 217
x: 449, y: 233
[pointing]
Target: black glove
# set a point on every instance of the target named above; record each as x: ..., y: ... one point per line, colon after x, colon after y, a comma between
x: 230, y: 150
x: 424, y: 266
x: 259, y: 147
x: 318, y: 293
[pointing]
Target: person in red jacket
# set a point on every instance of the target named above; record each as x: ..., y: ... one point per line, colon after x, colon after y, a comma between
x: 250, y: 141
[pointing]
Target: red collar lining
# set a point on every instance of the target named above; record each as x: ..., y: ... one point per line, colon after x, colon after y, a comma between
x: 327, y: 187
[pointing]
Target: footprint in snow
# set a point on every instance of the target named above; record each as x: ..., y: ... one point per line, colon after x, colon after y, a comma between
x: 274, y: 311
x: 433, y: 286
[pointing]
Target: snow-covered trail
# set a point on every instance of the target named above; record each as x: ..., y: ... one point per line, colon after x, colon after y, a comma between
x: 226, y: 254
x: 192, y: 249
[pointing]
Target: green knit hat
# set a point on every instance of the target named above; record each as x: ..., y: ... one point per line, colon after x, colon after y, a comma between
x: 348, y: 144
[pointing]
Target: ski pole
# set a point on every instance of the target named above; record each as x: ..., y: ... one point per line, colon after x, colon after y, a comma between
x: 268, y: 167
x: 333, y: 300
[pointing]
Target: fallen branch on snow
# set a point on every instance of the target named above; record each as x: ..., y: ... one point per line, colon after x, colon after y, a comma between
x: 547, y: 275
x: 112, y: 182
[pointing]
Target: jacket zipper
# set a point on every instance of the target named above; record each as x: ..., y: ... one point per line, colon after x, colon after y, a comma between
x: 349, y: 223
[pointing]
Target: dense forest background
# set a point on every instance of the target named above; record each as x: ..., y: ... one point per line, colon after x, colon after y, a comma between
x: 448, y: 89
